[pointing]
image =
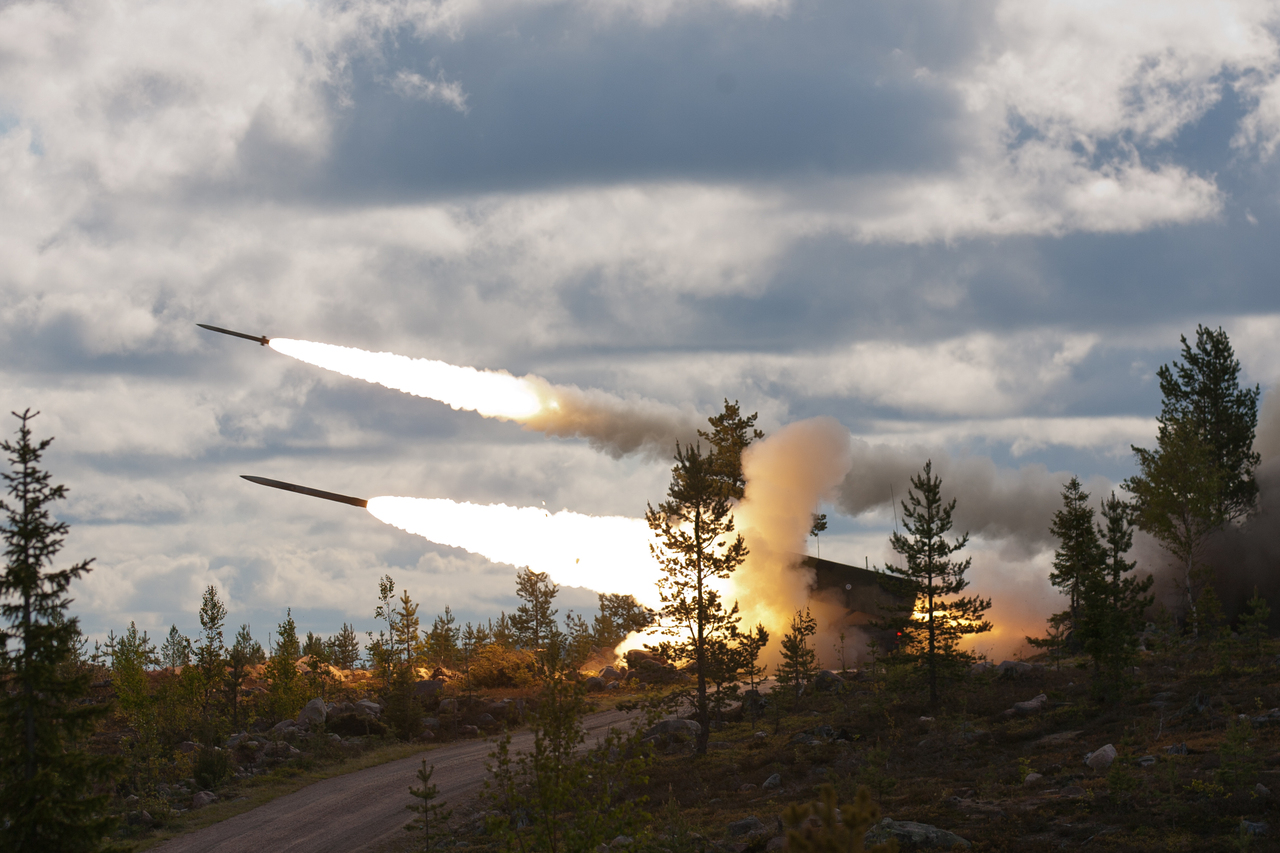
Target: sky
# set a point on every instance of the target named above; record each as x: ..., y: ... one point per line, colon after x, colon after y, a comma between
x: 969, y: 231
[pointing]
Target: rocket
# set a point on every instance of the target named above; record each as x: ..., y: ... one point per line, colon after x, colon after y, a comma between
x: 305, y: 490
x: 262, y: 339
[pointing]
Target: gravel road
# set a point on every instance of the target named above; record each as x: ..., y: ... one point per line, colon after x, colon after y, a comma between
x: 361, y: 810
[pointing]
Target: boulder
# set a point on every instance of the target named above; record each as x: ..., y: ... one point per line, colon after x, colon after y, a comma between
x: 313, y: 715
x: 449, y: 706
x: 772, y: 783
x: 595, y: 684
x: 427, y: 689
x: 681, y: 728
x: 1014, y: 668
x: 1177, y: 749
x: 777, y: 844
x: 1099, y: 760
x: 1147, y: 761
x: 486, y: 721
x: 1031, y: 706
x: 203, y: 798
x: 1032, y: 779
x: 368, y: 706
x: 610, y: 674
x: 828, y: 682
x: 637, y: 656
x: 468, y: 731
x: 1249, y: 827
x: 912, y: 836
x: 749, y: 825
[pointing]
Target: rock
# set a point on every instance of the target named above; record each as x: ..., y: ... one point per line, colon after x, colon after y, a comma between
x: 777, y: 844
x: 912, y: 836
x: 827, y: 681
x: 432, y: 723
x: 334, y: 738
x: 635, y: 657
x: 1262, y: 790
x: 610, y: 674
x: 1032, y: 779
x: 1057, y: 739
x: 313, y: 715
x: 486, y: 721
x: 187, y: 747
x: 595, y: 684
x: 448, y: 706
x: 1179, y: 749
x: 427, y: 688
x: 681, y: 728
x: 622, y: 841
x: 718, y: 744
x: 131, y: 801
x: 203, y: 798
x: 1147, y: 761
x: 748, y: 788
x: 468, y: 731
x: 981, y: 667
x: 747, y: 826
x: 772, y: 783
x: 146, y: 818
x: 1270, y: 718
x: 1031, y: 706
x: 368, y: 706
x: 1249, y: 827
x: 1014, y: 668
x: 1101, y: 759
x: 761, y: 735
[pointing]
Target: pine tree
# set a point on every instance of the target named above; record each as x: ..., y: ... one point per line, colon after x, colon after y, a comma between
x: 344, y: 648
x: 1253, y: 623
x: 286, y: 688
x: 429, y: 814
x: 176, y: 650
x: 730, y: 435
x: 49, y: 783
x: 1201, y: 474
x: 696, y: 547
x: 1205, y: 390
x: 1079, y: 556
x: 819, y: 526
x: 442, y: 642
x: 502, y: 632
x: 933, y: 626
x: 242, y: 654
x: 620, y: 615
x: 407, y: 636
x: 534, y: 622
x: 211, y: 654
x: 799, y: 660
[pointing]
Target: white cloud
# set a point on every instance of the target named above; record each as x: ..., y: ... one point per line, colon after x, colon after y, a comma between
x: 409, y: 84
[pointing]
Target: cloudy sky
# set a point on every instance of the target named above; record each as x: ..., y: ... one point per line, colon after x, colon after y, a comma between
x: 971, y: 229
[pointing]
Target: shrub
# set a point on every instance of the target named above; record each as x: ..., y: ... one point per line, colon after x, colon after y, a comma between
x: 498, y: 666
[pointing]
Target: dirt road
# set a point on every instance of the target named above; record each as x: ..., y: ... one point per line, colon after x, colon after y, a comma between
x: 358, y: 811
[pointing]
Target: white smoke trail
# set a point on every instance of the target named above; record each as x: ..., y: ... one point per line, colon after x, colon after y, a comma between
x: 615, y: 425
x: 604, y: 553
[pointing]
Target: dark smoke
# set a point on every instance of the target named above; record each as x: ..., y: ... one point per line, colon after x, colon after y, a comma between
x: 1014, y: 506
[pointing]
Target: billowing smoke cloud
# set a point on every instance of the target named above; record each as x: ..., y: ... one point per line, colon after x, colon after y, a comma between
x: 787, y: 475
x: 614, y: 425
x: 1015, y: 506
x: 1007, y: 511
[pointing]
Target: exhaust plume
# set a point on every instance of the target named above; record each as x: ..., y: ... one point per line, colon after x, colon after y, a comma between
x: 611, y: 424
x: 604, y: 553
x: 787, y: 475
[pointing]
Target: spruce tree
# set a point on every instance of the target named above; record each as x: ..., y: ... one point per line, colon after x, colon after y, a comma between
x: 1079, y: 557
x: 1114, y: 602
x: 799, y: 660
x: 534, y: 622
x: 344, y: 648
x: 51, y: 788
x: 933, y: 625
x: 696, y: 548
